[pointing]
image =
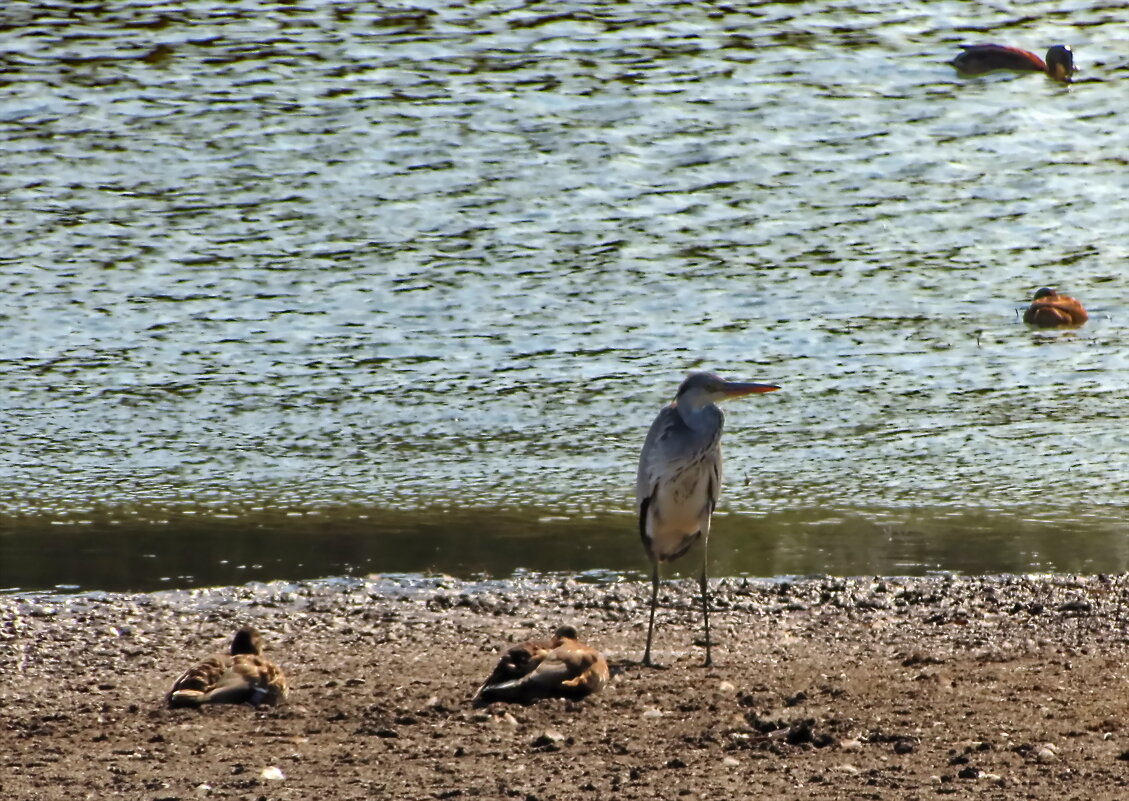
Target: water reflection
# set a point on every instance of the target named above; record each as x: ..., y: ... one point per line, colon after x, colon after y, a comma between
x: 100, y: 551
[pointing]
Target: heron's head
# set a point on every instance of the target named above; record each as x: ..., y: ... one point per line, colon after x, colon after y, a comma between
x: 702, y: 389
x: 1060, y: 63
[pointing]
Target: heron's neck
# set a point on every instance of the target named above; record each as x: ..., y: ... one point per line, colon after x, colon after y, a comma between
x: 705, y: 418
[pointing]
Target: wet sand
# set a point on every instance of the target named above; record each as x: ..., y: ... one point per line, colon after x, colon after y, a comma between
x: 999, y: 688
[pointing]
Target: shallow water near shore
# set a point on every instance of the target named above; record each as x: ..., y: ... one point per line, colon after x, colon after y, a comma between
x: 318, y: 290
x: 99, y: 553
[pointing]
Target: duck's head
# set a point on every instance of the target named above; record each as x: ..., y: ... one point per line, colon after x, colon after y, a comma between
x: 247, y: 641
x: 1060, y: 63
x: 565, y: 633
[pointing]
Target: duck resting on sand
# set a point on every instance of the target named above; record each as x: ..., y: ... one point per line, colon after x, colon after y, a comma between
x: 242, y: 676
x: 981, y: 58
x: 1049, y: 309
x: 562, y: 667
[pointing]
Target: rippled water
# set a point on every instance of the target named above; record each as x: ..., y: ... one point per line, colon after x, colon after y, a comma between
x: 322, y: 257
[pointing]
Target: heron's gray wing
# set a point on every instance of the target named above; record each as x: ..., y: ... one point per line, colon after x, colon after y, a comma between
x: 659, y: 449
x: 672, y: 447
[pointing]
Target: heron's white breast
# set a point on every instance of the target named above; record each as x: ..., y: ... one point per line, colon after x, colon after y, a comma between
x: 678, y: 510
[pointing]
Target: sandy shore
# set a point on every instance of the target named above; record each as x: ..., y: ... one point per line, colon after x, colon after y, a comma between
x: 1012, y: 687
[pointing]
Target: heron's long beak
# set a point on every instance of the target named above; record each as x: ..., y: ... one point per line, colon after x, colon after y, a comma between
x: 735, y: 389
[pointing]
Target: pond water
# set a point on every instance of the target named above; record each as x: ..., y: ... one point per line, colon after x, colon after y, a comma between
x: 331, y: 288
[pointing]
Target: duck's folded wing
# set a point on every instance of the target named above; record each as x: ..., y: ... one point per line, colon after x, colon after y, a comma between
x: 244, y: 679
x: 567, y: 672
x: 544, y: 682
x: 250, y: 680
x: 515, y: 663
x: 197, y: 680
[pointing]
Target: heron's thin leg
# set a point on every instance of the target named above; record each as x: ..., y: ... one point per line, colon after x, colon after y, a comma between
x: 654, y: 603
x: 706, y: 606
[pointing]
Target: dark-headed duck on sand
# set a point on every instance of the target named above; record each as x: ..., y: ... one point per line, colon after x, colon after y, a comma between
x: 562, y: 667
x: 982, y: 58
x: 242, y: 676
x: 1049, y: 309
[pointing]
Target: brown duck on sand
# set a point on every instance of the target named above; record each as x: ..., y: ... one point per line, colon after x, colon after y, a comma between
x: 562, y: 667
x: 242, y: 676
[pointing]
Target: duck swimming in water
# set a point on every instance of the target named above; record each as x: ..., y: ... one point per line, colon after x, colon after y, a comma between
x: 242, y: 676
x: 1049, y: 309
x: 562, y: 667
x: 982, y: 58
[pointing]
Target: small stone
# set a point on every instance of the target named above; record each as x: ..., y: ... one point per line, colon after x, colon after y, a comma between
x: 653, y: 713
x: 1046, y: 753
x: 1076, y: 605
x: 969, y: 772
x: 726, y: 687
x: 731, y: 762
x: 272, y: 774
x: 548, y: 740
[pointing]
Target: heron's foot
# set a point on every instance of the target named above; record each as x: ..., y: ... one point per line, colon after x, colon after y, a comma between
x: 647, y: 663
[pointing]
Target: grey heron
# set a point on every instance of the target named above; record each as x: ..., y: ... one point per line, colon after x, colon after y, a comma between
x: 680, y: 479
